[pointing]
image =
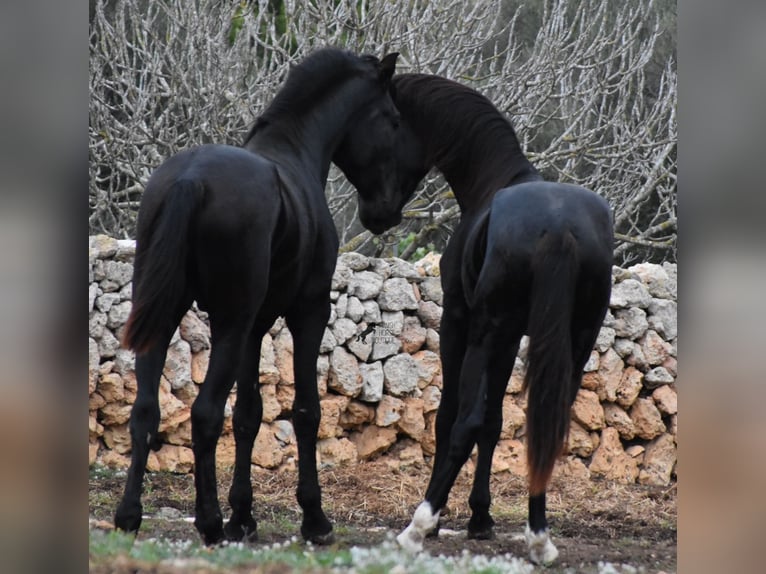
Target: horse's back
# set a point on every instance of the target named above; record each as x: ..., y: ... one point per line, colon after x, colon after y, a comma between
x: 523, y: 214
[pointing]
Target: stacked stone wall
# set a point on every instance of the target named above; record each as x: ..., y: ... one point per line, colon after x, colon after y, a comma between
x: 379, y: 375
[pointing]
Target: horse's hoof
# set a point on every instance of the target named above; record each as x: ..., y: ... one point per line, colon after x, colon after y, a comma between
x: 322, y: 539
x: 541, y: 549
x: 128, y: 518
x: 482, y: 534
x: 247, y: 532
x: 423, y: 522
x: 212, y: 532
x: 481, y: 529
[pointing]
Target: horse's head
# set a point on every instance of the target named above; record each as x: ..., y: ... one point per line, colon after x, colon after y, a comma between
x: 385, y: 175
x: 367, y: 155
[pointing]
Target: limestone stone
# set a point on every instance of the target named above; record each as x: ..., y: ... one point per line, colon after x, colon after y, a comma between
x: 430, y: 314
x: 177, y: 368
x: 587, y: 410
x: 267, y: 367
x: 354, y: 309
x: 408, y: 453
x: 112, y: 414
x: 433, y: 340
x: 411, y: 421
x: 331, y: 406
x: 659, y: 460
x: 609, y: 372
x: 362, y: 349
x: 111, y: 387
x: 514, y: 417
x: 510, y: 456
x: 103, y: 246
x: 283, y: 356
x: 117, y: 437
x: 356, y: 414
x: 372, y: 381
x: 610, y: 461
x: 380, y: 267
x: 180, y: 435
x: 108, y: 344
x: 429, y: 264
x: 431, y: 397
x: 629, y: 293
x: 655, y: 349
x: 343, y: 330
x: 341, y: 276
x: 657, y: 377
x: 354, y: 261
x: 431, y: 290
x: 105, y: 301
x: 658, y: 281
x: 413, y: 335
x: 630, y: 323
x: 93, y: 362
x: 284, y: 432
x: 617, y: 418
x: 336, y: 452
x: 579, y: 441
x: 663, y: 318
x: 605, y: 339
x: 267, y: 452
x: 116, y: 275
x: 329, y: 342
x: 629, y: 388
x: 373, y: 440
x: 199, y: 365
x: 572, y: 467
x: 271, y: 407
x: 286, y: 398
x: 429, y: 365
x: 396, y: 295
x: 401, y: 268
x: 401, y: 374
x: 365, y: 285
x: 666, y: 399
x: 93, y: 448
x: 647, y: 419
x: 389, y: 411
x: 371, y: 311
x: 345, y: 376
x: 593, y: 362
x: 428, y: 442
x: 195, y: 332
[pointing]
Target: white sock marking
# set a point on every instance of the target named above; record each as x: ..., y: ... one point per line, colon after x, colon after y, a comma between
x: 541, y: 549
x: 423, y: 521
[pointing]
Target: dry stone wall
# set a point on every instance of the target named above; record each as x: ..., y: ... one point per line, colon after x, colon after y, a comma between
x: 379, y: 375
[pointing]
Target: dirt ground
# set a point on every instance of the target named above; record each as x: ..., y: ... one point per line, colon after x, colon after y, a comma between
x: 591, y: 522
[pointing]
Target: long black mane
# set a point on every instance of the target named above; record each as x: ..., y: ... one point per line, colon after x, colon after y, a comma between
x: 309, y: 82
x: 469, y: 140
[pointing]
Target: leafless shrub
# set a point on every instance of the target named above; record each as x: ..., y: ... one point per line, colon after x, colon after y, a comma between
x: 168, y: 74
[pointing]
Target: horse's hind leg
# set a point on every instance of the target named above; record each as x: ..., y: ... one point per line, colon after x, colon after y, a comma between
x: 453, y: 333
x: 144, y: 422
x: 307, y: 326
x: 480, y: 526
x: 248, y: 412
x: 228, y: 337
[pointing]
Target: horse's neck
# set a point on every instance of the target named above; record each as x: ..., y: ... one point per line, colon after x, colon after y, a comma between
x: 475, y: 184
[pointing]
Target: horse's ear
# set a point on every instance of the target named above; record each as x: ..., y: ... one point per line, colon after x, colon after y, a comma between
x: 387, y: 66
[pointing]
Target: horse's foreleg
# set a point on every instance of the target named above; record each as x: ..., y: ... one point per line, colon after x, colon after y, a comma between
x: 307, y: 327
x: 144, y: 421
x: 207, y: 422
x: 464, y: 433
x: 248, y: 412
x: 453, y: 337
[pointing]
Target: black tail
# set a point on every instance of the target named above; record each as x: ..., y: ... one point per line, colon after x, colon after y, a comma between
x: 159, y: 275
x: 549, y: 357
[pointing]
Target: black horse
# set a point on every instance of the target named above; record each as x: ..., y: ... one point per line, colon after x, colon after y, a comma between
x: 247, y: 234
x: 528, y: 257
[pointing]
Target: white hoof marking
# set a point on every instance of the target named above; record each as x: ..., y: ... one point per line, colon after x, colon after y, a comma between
x: 541, y: 549
x: 423, y: 521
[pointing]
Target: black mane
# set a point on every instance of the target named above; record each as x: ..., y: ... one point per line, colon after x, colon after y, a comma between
x: 464, y: 129
x: 308, y: 82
